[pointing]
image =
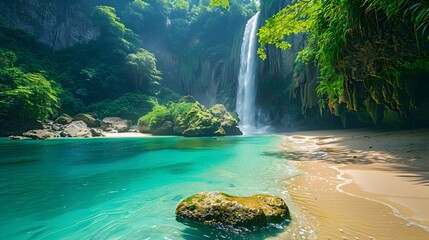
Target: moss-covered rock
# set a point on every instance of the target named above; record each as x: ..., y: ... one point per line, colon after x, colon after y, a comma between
x: 220, y: 209
x: 88, y: 119
x: 64, y: 119
x: 200, y: 122
x: 189, y: 118
x: 229, y: 123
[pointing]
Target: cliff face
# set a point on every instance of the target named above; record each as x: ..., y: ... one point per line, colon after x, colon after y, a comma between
x: 58, y: 24
x: 213, y: 78
x: 203, y: 68
x: 286, y: 90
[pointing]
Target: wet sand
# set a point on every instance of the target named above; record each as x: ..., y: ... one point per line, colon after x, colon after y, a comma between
x: 359, y: 184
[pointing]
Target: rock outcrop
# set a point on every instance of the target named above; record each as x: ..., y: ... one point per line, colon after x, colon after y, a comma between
x: 88, y: 119
x: 39, y: 134
x: 64, y: 119
x: 223, y: 210
x: 76, y: 129
x: 228, y: 122
x: 189, y: 118
x: 58, y: 24
x: 114, y: 123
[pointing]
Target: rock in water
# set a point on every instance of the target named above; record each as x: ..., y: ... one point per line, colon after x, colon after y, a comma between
x: 220, y: 209
x: 39, y: 134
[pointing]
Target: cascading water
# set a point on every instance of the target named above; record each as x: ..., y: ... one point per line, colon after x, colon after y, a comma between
x: 246, y: 93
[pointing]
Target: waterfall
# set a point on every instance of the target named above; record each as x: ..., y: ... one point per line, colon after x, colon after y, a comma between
x: 246, y: 92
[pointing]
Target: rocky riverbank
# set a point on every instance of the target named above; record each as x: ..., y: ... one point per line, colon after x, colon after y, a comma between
x: 81, y: 125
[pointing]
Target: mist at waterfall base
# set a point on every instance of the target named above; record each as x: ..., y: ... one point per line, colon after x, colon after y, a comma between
x: 252, y: 119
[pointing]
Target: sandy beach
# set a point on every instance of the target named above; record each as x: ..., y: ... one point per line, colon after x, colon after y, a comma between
x: 361, y: 184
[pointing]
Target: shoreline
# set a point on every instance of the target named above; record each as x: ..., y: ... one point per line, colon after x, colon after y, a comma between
x: 361, y: 183
x: 126, y: 135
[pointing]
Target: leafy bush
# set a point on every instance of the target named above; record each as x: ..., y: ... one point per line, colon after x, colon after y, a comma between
x: 28, y: 96
x: 129, y: 106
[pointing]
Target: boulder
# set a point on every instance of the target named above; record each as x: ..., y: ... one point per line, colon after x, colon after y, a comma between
x: 230, y: 124
x: 88, y: 119
x: 95, y: 132
x: 133, y: 129
x: 199, y: 122
x: 114, y: 123
x: 143, y: 127
x: 76, y: 129
x: 64, y: 119
x: 189, y: 118
x: 164, y: 128
x: 39, y: 134
x: 14, y: 137
x: 220, y: 209
x: 218, y: 110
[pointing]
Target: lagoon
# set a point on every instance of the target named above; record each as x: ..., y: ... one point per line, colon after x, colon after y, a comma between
x: 128, y: 188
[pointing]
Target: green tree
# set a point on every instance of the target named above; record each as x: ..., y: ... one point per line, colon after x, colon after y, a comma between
x: 142, y: 66
x: 105, y: 17
x: 27, y: 96
x: 364, y: 49
x: 218, y: 3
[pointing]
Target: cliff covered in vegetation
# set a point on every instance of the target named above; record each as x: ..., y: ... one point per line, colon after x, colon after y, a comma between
x: 371, y: 56
x: 119, y: 58
x: 359, y: 63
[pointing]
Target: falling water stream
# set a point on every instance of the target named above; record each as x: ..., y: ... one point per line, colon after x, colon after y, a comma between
x: 246, y: 92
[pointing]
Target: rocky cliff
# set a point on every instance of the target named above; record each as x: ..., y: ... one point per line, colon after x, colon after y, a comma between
x: 286, y: 90
x: 58, y: 24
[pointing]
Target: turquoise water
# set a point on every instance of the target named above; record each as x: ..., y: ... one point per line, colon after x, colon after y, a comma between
x: 127, y: 188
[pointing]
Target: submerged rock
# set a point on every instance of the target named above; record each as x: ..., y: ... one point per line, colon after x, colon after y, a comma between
x: 220, y: 209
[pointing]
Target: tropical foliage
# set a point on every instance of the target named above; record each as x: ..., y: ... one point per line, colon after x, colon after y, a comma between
x: 27, y: 96
x: 364, y: 49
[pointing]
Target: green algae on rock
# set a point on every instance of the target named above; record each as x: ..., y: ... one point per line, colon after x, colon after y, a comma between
x: 189, y: 118
x: 220, y: 209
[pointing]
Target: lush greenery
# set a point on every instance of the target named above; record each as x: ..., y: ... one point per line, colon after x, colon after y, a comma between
x: 114, y: 74
x: 372, y: 54
x: 25, y: 95
x: 189, y: 118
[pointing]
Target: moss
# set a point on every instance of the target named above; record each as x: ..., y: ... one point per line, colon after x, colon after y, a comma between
x: 392, y: 118
x: 189, y: 118
x: 218, y: 208
x: 64, y: 119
